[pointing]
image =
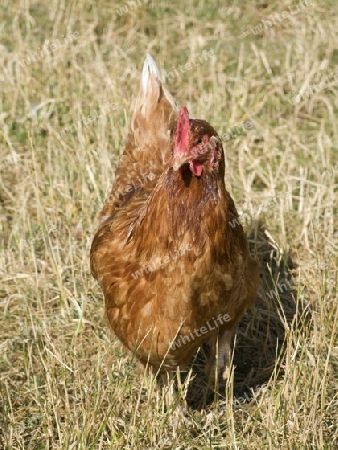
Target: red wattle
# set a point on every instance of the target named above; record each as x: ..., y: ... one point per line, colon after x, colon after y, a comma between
x: 196, y: 168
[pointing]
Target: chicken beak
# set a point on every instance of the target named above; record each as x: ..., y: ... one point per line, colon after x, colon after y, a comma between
x: 179, y: 160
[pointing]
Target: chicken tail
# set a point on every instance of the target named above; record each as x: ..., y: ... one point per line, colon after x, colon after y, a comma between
x: 155, y: 108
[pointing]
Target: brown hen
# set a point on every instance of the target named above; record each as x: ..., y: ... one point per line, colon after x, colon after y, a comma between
x: 173, y: 271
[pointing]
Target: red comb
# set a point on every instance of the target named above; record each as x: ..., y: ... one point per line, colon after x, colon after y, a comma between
x: 182, y: 137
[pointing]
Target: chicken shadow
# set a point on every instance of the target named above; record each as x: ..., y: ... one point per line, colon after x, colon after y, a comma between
x: 260, y: 335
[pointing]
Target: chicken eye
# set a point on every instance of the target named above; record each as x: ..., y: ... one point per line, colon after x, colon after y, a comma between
x: 200, y: 141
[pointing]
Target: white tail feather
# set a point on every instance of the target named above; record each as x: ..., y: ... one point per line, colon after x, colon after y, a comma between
x: 150, y: 67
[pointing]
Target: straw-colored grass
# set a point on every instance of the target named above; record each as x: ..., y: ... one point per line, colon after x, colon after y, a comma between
x: 65, y: 380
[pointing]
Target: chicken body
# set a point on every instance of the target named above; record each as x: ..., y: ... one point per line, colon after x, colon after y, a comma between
x: 173, y: 271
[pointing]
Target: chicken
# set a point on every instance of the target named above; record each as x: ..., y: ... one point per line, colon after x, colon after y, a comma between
x: 174, y: 273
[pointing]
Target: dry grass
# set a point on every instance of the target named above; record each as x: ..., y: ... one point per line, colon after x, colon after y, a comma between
x: 66, y: 383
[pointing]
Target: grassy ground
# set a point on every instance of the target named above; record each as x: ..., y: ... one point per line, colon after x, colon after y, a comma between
x: 65, y: 381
